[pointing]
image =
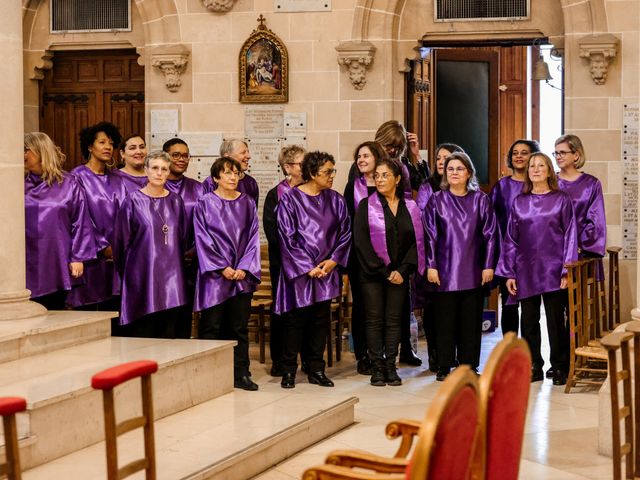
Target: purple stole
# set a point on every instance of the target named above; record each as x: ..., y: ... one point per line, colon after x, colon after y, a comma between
x: 360, y: 190
x: 282, y: 188
x: 378, y: 231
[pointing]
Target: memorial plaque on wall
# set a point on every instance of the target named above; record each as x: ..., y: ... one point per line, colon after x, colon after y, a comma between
x: 264, y: 121
x: 203, y: 144
x: 629, y: 148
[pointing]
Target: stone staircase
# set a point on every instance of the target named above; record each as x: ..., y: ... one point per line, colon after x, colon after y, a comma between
x: 204, y: 429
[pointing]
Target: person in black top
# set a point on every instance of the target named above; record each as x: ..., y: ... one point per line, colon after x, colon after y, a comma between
x: 389, y: 243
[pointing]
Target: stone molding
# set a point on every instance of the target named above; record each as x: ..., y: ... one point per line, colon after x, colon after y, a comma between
x: 172, y: 64
x: 599, y: 50
x: 219, y: 6
x: 38, y: 62
x: 356, y: 56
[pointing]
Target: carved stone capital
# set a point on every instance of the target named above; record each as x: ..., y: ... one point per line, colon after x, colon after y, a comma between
x: 220, y: 6
x: 599, y: 50
x: 37, y: 62
x: 172, y: 65
x: 356, y: 56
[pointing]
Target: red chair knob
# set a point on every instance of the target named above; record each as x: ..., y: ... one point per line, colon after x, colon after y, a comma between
x: 114, y: 376
x: 11, y: 405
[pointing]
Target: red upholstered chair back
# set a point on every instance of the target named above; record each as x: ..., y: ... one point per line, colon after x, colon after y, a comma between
x: 9, y: 406
x: 445, y: 443
x: 504, y: 396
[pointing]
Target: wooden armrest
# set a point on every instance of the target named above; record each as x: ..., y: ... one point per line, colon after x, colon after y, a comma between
x: 333, y: 472
x: 407, y: 429
x: 613, y: 340
x: 355, y: 458
x: 614, y: 249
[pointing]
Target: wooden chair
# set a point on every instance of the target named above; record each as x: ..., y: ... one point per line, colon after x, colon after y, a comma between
x: 336, y: 325
x: 613, y: 343
x: 634, y: 328
x: 9, y: 406
x: 106, y: 381
x: 613, y: 317
x: 445, y: 440
x: 586, y: 362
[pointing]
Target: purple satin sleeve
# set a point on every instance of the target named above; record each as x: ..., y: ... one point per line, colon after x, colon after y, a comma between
x: 295, y: 256
x: 416, y: 220
x: 360, y: 190
x: 282, y: 188
x: 502, y: 196
x: 208, y: 185
x: 377, y: 229
x: 406, y: 182
x: 83, y: 245
x: 424, y: 194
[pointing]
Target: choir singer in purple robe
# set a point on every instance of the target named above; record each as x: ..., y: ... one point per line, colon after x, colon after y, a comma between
x: 462, y: 247
x: 502, y: 196
x: 239, y: 151
x: 228, y: 247
x: 315, y: 235
x: 59, y: 233
x: 290, y: 161
x: 540, y: 240
x: 358, y: 188
x: 133, y: 151
x: 150, y: 238
x: 101, y: 188
x: 389, y: 242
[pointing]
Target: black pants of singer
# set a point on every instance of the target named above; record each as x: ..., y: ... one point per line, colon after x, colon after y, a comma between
x: 159, y: 324
x: 305, y: 329
x: 383, y: 306
x: 510, y: 317
x: 229, y: 321
x: 458, y: 317
x: 555, y: 306
x: 52, y: 301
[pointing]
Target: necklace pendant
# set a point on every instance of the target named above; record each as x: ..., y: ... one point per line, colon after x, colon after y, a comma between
x: 165, y: 230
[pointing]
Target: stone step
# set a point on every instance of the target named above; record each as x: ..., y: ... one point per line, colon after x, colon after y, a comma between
x: 51, y: 332
x: 232, y: 437
x: 64, y: 413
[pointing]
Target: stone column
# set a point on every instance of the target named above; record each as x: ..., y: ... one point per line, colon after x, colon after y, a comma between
x: 14, y: 297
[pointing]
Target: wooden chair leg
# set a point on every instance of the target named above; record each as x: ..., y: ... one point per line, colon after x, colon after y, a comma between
x: 12, y: 451
x: 110, y: 434
x: 149, y: 439
x: 330, y: 343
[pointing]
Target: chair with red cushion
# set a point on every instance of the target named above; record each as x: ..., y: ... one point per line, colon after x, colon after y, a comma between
x: 106, y: 381
x: 9, y: 406
x: 445, y: 440
x: 504, y: 396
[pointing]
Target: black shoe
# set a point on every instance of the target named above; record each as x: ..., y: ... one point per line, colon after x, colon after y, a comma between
x: 276, y: 370
x: 559, y: 377
x: 245, y: 383
x: 433, y: 366
x: 364, y: 366
x: 550, y: 373
x: 319, y: 378
x: 410, y: 358
x: 391, y: 376
x: 536, y: 375
x: 377, y: 377
x: 443, y: 372
x: 288, y: 380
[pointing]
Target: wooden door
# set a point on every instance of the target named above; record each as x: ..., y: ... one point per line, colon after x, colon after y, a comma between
x: 84, y: 88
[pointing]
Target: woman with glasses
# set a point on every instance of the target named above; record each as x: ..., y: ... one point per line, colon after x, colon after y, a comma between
x: 102, y: 189
x: 133, y: 151
x: 539, y: 241
x: 150, y: 238
x: 314, y: 235
x: 502, y: 196
x: 239, y: 151
x: 358, y: 188
x: 59, y: 233
x: 190, y: 190
x: 432, y: 185
x: 290, y: 161
x: 389, y: 243
x: 462, y: 246
x: 228, y: 247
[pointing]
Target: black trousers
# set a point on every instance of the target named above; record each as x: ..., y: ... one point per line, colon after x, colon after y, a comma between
x: 153, y: 325
x: 383, y: 305
x: 510, y: 317
x: 229, y: 321
x: 429, y: 325
x: 52, y: 301
x: 555, y: 306
x: 305, y: 329
x: 276, y: 332
x: 458, y: 317
x: 358, y: 316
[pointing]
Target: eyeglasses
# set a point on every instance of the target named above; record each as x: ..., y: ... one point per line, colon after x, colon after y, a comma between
x: 330, y: 172
x: 183, y: 156
x: 231, y: 173
x: 456, y: 169
x: 382, y: 176
x: 562, y: 153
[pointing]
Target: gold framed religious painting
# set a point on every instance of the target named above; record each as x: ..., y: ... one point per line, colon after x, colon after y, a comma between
x: 263, y: 67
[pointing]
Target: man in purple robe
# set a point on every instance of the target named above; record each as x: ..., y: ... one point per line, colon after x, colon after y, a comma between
x: 239, y: 151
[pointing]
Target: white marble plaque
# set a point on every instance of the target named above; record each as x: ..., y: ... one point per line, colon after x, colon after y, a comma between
x: 264, y: 153
x: 200, y: 167
x: 629, y: 147
x: 264, y: 121
x: 295, y: 140
x: 203, y: 144
x: 158, y: 139
x: 301, y: 5
x: 295, y: 124
x: 164, y: 121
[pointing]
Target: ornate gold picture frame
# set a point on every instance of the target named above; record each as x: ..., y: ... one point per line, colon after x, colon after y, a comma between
x: 263, y: 68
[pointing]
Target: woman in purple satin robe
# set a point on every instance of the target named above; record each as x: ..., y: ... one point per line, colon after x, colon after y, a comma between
x: 101, y: 189
x: 228, y: 245
x: 314, y: 235
x: 586, y: 193
x: 389, y: 243
x: 290, y: 161
x: 190, y: 190
x: 462, y: 246
x: 239, y: 151
x: 150, y: 238
x: 432, y: 185
x: 358, y: 188
x: 502, y: 196
x: 59, y: 233
x: 540, y: 240
x: 133, y: 151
